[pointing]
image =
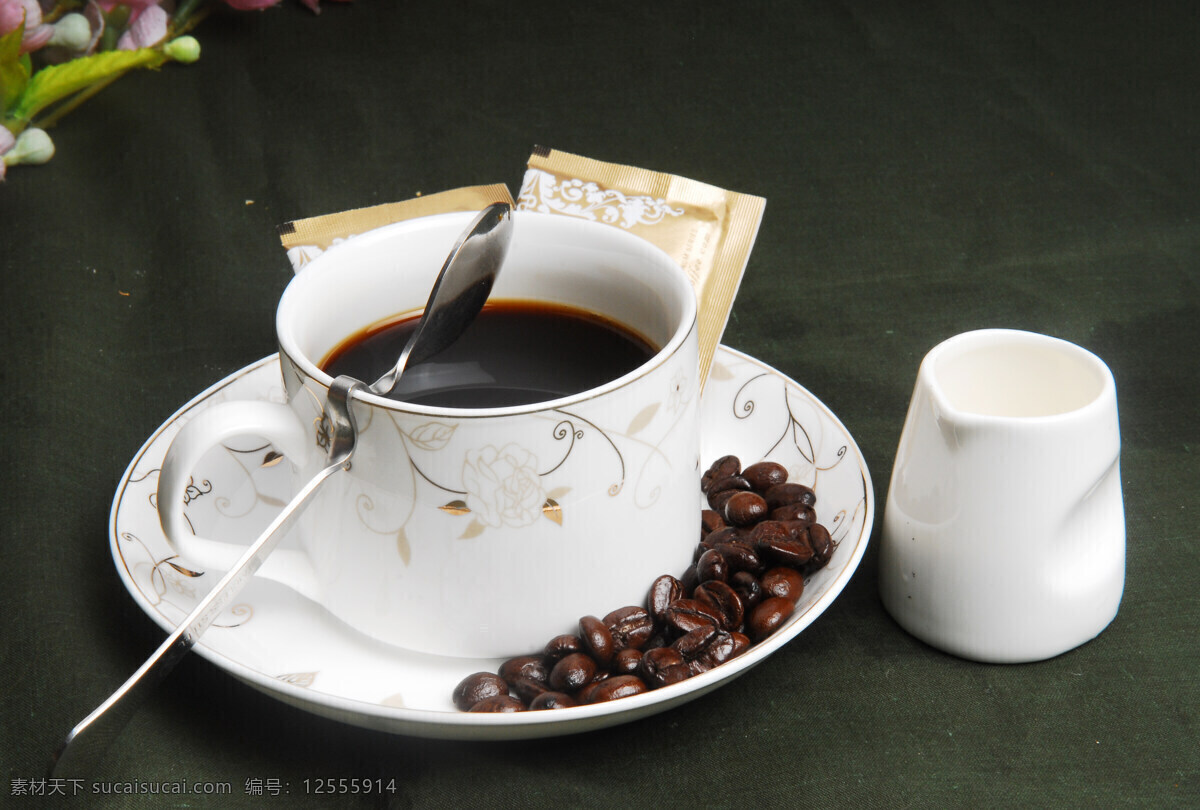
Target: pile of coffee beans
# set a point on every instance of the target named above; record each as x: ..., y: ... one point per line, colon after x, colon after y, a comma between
x: 758, y: 541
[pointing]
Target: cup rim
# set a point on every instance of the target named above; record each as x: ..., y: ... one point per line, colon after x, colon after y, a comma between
x: 688, y: 321
x: 967, y: 341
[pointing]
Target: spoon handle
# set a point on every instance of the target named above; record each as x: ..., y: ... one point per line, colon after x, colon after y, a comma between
x: 82, y: 750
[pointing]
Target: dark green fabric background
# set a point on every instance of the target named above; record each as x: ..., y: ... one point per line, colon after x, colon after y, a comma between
x: 929, y: 169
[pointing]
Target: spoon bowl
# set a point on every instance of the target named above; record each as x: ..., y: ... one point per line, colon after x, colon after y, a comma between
x: 459, y: 293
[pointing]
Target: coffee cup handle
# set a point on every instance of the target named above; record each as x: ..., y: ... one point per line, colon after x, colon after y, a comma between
x: 223, y: 421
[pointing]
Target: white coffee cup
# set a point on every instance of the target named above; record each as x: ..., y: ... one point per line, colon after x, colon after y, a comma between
x: 1004, y: 528
x: 481, y: 532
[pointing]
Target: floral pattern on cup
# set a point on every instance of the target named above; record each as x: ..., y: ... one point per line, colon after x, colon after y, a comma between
x: 503, y: 486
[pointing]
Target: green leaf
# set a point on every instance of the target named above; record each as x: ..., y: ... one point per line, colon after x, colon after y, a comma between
x: 14, y: 70
x: 10, y: 43
x: 56, y: 82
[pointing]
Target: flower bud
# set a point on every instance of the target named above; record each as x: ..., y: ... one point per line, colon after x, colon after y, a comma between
x: 32, y: 146
x: 72, y: 32
x: 183, y: 49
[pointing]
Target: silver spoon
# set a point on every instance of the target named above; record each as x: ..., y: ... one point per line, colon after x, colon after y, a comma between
x: 461, y: 289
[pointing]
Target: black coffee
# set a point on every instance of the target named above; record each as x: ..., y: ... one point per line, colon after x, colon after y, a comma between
x: 514, y: 353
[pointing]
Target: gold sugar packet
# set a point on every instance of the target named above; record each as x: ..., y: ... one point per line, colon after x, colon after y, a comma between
x: 709, y: 231
x: 305, y: 239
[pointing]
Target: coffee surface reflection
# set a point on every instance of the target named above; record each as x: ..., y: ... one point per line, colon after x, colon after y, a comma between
x: 514, y: 353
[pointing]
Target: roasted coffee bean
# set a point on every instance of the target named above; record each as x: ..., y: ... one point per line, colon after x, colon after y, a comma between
x: 560, y: 647
x: 748, y: 588
x: 660, y: 658
x: 718, y: 650
x: 763, y: 534
x: 585, y: 695
x: 710, y: 521
x: 532, y: 667
x: 627, y: 661
x: 527, y: 689
x: 769, y: 616
x: 597, y: 640
x: 717, y: 500
x: 723, y: 467
x: 792, y: 552
x: 498, y: 704
x: 618, y: 686
x: 798, y: 529
x: 630, y: 626
x: 776, y: 542
x: 664, y: 666
x: 731, y: 482
x: 741, y: 643
x: 689, y: 580
x: 695, y: 642
x: 572, y: 673
x: 712, y: 567
x: 789, y: 493
x: 724, y: 600
x: 552, y: 700
x: 822, y: 546
x: 665, y: 590
x: 744, y: 508
x: 764, y: 475
x: 794, y: 511
x: 478, y: 686
x: 783, y: 581
x: 728, y: 534
x: 721, y: 490
x: 740, y: 556
x: 685, y: 615
x: 717, y: 538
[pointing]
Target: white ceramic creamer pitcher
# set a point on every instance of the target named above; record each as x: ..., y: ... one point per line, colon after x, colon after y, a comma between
x: 1004, y: 529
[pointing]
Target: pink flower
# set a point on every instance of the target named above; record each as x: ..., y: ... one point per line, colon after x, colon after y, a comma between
x: 37, y: 33
x: 137, y: 6
x: 12, y: 14
x: 147, y: 30
x: 250, y: 5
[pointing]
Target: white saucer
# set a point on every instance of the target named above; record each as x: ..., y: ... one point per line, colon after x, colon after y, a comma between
x: 292, y: 649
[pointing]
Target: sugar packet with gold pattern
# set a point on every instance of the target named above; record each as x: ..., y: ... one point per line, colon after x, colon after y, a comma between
x: 305, y: 239
x: 709, y: 231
